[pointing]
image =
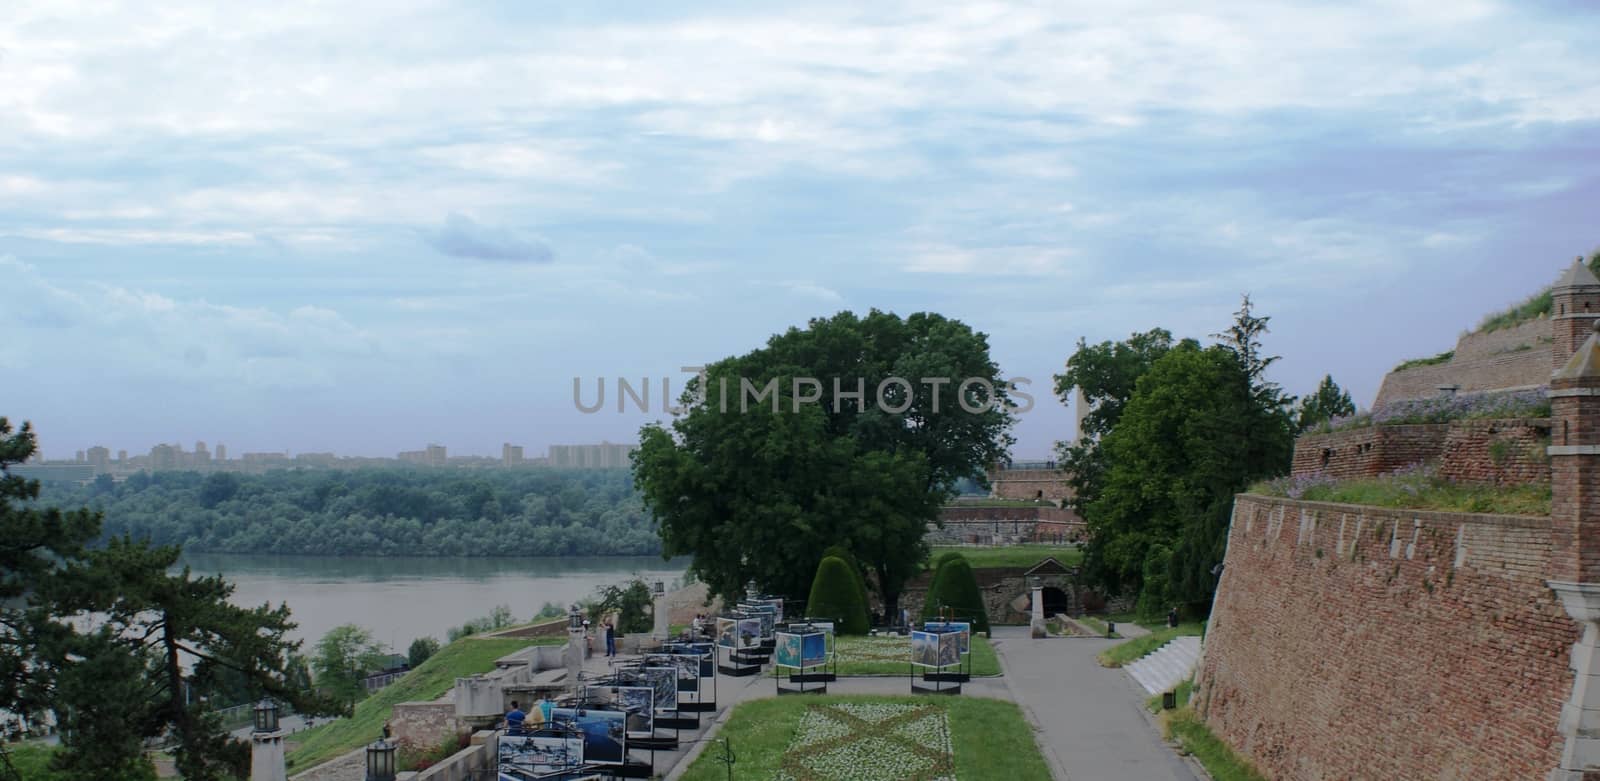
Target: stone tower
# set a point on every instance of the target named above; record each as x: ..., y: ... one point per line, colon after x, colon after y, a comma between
x: 1574, y: 307
x: 1574, y: 573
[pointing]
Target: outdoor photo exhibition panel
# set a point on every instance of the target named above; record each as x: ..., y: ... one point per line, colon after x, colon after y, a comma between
x: 933, y: 652
x: 539, y: 753
x: 793, y: 654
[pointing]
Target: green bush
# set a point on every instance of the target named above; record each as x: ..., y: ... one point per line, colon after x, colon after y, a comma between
x: 954, y: 586
x: 835, y: 595
x: 839, y: 551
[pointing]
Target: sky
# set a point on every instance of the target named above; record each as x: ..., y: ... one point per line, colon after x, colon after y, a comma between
x: 366, y: 226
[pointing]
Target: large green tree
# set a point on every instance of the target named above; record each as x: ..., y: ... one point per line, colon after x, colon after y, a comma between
x: 342, y: 660
x: 756, y: 490
x: 1106, y: 374
x: 1201, y: 425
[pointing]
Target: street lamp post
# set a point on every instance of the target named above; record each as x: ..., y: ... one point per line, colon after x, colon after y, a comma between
x: 266, y: 745
x: 575, y: 647
x: 662, y: 623
x: 380, y: 760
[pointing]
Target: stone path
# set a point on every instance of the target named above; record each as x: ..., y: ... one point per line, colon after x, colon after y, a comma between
x: 1091, y: 720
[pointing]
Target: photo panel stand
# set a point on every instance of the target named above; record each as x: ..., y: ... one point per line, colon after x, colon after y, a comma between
x: 796, y: 653
x: 743, y: 650
x: 631, y: 767
x: 933, y: 648
x: 634, y: 674
x: 828, y: 671
x: 963, y: 672
x: 682, y: 718
x: 516, y: 760
x: 704, y: 701
x: 627, y: 768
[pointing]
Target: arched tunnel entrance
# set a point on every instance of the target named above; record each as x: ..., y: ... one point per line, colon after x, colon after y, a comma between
x: 1055, y: 601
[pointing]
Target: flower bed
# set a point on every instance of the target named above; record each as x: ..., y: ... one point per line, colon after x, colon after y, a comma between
x: 870, y: 742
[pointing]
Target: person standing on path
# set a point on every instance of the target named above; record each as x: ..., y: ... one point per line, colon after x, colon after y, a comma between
x: 611, y: 637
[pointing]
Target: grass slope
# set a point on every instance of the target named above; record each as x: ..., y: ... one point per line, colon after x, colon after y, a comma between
x: 430, y: 681
x: 1126, y: 653
x: 989, y: 737
x: 1194, y: 737
x: 892, y: 656
x: 1012, y: 555
x: 32, y: 761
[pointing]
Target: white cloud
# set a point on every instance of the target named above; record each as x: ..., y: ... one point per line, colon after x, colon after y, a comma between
x: 123, y: 332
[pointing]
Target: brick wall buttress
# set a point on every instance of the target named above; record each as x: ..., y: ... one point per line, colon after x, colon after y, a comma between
x: 1361, y: 642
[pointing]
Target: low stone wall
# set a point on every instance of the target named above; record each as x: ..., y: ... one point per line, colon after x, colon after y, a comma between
x: 1368, y: 451
x: 424, y: 724
x: 1498, y: 452
x: 1005, y: 525
x: 1362, y: 642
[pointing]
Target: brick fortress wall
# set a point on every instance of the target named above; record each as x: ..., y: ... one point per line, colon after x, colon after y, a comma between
x: 1518, y: 357
x: 1499, y: 452
x: 1358, y: 642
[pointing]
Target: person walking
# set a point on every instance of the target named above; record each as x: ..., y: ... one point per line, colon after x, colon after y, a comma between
x: 611, y: 637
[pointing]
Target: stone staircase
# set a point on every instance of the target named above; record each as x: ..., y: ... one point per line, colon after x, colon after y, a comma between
x: 1167, y: 666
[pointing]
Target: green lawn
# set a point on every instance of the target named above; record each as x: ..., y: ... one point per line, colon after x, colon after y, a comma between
x: 1124, y: 653
x: 892, y: 656
x: 430, y: 681
x: 1012, y: 555
x: 32, y: 761
x: 878, y: 738
x: 1097, y: 625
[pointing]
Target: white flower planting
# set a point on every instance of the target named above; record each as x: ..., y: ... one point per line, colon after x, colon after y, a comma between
x: 870, y: 742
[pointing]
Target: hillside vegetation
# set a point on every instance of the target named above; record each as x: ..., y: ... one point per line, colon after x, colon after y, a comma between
x: 383, y: 512
x: 1535, y: 306
x: 462, y: 658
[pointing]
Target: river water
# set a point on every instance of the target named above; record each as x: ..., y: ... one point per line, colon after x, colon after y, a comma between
x: 401, y: 599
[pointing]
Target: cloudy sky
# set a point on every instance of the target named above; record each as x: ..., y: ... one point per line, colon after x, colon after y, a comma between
x: 365, y: 226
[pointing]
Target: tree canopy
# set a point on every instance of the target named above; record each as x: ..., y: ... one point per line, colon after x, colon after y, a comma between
x: 1106, y: 374
x: 1200, y: 425
x: 1329, y: 401
x: 376, y: 512
x: 757, y: 490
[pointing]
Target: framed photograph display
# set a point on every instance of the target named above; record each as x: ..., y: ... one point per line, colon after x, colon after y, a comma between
x: 787, y: 651
x: 605, y: 732
x: 541, y: 754
x: 924, y: 648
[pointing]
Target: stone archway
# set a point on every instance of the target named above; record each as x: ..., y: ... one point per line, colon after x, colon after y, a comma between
x: 1055, y: 601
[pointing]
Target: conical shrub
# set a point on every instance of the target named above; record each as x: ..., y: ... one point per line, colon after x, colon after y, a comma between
x: 835, y: 595
x: 855, y: 569
x: 955, y: 587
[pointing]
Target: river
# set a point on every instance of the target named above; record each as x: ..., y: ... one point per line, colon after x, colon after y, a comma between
x: 401, y: 599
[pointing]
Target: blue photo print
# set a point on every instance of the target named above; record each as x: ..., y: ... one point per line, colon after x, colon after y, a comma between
x: 604, y: 732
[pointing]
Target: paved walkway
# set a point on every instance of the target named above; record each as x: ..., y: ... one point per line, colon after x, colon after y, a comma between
x: 1091, y: 721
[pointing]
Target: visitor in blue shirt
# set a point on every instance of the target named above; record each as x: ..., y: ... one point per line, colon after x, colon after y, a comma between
x: 515, y: 718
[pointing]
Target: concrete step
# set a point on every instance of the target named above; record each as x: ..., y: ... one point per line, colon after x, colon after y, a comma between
x: 1167, y: 666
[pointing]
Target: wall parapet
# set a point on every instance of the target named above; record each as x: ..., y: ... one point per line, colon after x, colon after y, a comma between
x: 1349, y: 641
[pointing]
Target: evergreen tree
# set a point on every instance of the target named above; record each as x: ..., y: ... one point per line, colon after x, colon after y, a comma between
x: 955, y: 593
x: 840, y: 552
x: 834, y: 596
x: 122, y: 682
x: 1329, y: 402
